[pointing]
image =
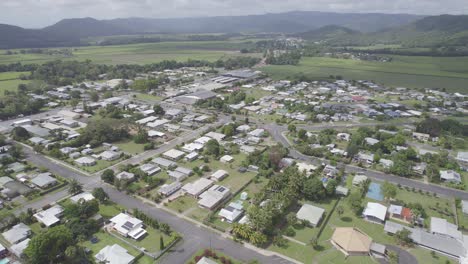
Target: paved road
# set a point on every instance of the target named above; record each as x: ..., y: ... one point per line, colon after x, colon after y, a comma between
x: 277, y: 133
x: 404, y: 257
x: 194, y: 237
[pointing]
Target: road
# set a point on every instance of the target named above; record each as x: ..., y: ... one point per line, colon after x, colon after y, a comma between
x: 194, y: 237
x: 277, y: 131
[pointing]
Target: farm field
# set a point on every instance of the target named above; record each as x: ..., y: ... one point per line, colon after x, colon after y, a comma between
x: 9, y: 81
x: 140, y: 53
x: 409, y: 71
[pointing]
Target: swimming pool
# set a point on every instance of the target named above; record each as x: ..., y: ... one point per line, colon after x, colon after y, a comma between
x: 374, y: 192
x: 4, y: 261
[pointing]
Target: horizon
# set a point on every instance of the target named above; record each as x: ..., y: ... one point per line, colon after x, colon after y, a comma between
x: 34, y: 15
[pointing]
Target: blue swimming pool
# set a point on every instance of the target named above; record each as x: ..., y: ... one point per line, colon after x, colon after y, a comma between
x: 4, y: 261
x: 374, y: 192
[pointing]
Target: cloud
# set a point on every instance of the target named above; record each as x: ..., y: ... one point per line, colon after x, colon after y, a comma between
x: 38, y: 13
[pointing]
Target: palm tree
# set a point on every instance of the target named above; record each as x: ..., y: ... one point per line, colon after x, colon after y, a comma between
x: 75, y: 187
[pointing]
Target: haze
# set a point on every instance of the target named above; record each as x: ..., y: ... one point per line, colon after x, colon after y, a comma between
x: 39, y: 13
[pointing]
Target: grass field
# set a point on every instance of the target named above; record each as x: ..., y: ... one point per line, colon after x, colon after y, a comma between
x: 410, y: 71
x: 140, y: 53
x: 9, y: 81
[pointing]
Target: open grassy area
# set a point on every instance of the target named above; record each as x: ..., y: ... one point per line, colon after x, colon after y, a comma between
x: 130, y: 147
x: 410, y: 71
x: 424, y: 256
x: 140, y: 53
x: 9, y: 81
x: 151, y: 240
x: 333, y: 256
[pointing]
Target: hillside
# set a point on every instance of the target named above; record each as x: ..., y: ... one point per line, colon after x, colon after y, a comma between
x: 434, y: 31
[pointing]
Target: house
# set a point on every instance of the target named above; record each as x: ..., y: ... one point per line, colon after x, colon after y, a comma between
x: 214, y: 135
x: 441, y: 227
x: 465, y: 206
x: 311, y: 214
x: 164, y: 162
x: 16, y: 167
x: 450, y: 176
x: 169, y: 189
x: 154, y: 134
x: 371, y: 141
x: 365, y: 158
x: 128, y: 226
x: 44, y: 180
x: 206, y: 260
x: 343, y: 136
x: 340, y: 190
x: 232, y: 212
x: 419, y: 168
x: 421, y: 136
x: 84, y: 196
x: 192, y: 147
x: 226, y: 159
x: 197, y: 187
x: 375, y: 212
x: 114, y: 254
x: 125, y: 176
x: 176, y: 176
x: 386, y: 163
x: 50, y: 216
x: 191, y: 156
x: 305, y: 167
x: 462, y: 159
x: 183, y: 170
x: 351, y: 241
x: 257, y: 132
x: 149, y: 169
x: 359, y: 179
x: 110, y: 155
x: 85, y: 161
x: 219, y: 175
x: 243, y: 128
x: 213, y: 196
x: 247, y: 149
x: 17, y: 233
x: 400, y: 212
x: 17, y: 249
x: 174, y: 154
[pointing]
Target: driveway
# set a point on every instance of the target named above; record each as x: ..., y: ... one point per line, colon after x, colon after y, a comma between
x: 404, y: 257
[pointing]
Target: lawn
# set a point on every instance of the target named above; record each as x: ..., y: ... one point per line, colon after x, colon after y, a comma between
x: 109, y: 210
x: 296, y: 251
x: 424, y: 256
x: 10, y: 85
x: 151, y: 241
x: 183, y: 204
x: 106, y: 239
x: 409, y: 71
x: 334, y: 256
x: 141, y: 53
x: 100, y: 165
x: 130, y: 147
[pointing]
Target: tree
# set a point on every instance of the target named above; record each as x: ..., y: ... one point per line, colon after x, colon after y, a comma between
x: 313, y: 189
x: 331, y: 187
x: 158, y: 110
x: 403, y: 237
x: 49, y: 246
x: 75, y: 187
x: 20, y: 133
x: 108, y: 176
x: 100, y: 194
x: 94, y: 96
x: 389, y: 190
x: 161, y: 243
x: 291, y: 218
x: 393, y: 257
x: 302, y: 134
x: 292, y: 128
x: 340, y: 210
x: 355, y: 201
x: 212, y: 147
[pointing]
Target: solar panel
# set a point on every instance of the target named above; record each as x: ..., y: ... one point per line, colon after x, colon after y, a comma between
x: 128, y: 225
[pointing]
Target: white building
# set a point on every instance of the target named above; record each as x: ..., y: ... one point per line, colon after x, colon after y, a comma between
x: 128, y: 226
x: 174, y: 154
x: 50, y: 216
x: 311, y: 214
x: 219, y: 175
x: 213, y: 197
x: 375, y: 212
x: 197, y: 187
x: 114, y: 254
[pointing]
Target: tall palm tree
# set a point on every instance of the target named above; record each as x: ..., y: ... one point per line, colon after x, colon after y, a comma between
x: 75, y: 187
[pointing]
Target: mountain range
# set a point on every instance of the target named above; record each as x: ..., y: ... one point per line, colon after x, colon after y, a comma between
x: 348, y: 27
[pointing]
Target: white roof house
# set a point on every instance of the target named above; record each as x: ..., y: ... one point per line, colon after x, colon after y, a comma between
x: 206, y: 260
x: 150, y: 169
x: 191, y: 156
x: 219, y: 175
x: 358, y: 179
x: 257, y: 132
x: 371, y: 141
x: 18, y: 249
x: 128, y: 225
x: 310, y: 213
x: 165, y: 163
x: 450, y: 176
x: 307, y: 168
x: 177, y: 176
x: 85, y: 161
x: 17, y: 233
x: 197, y: 187
x: 232, y: 212
x: 85, y: 196
x: 442, y: 227
x: 464, y: 206
x: 202, y: 140
x: 50, y: 216
x: 154, y: 133
x: 226, y: 159
x: 191, y: 147
x: 110, y: 155
x: 213, y: 196
x: 169, y: 189
x: 43, y: 180
x: 375, y: 212
x: 114, y: 254
x: 125, y: 176
x: 174, y: 154
x: 215, y: 135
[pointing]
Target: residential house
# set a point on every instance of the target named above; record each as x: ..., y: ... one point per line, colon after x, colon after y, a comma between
x: 226, y: 159
x: 169, y: 189
x: 85, y: 161
x: 219, y: 175
x: 375, y: 212
x: 149, y: 169
x: 351, y: 241
x: 232, y: 212
x: 127, y: 176
x: 50, y: 216
x: 114, y: 254
x: 213, y: 196
x: 400, y: 212
x: 197, y: 187
x: 44, y: 180
x: 450, y: 176
x: 442, y: 227
x: 164, y: 162
x: 84, y: 196
x: 128, y: 226
x: 110, y: 155
x: 421, y: 136
x: 311, y: 214
x: 17, y: 233
x: 174, y: 154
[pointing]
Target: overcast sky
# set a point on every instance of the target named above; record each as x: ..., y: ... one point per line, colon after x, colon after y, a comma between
x: 39, y: 13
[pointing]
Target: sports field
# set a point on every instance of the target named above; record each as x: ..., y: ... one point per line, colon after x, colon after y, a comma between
x: 141, y: 53
x: 410, y: 71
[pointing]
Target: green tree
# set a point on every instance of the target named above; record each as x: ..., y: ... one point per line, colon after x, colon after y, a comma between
x: 49, y: 246
x: 403, y: 237
x: 212, y: 148
x: 20, y: 133
x: 161, y: 243
x: 313, y: 189
x: 108, y: 176
x: 292, y: 128
x: 389, y: 190
x: 75, y: 187
x: 94, y: 96
x: 302, y: 134
x: 100, y: 194
x: 158, y: 110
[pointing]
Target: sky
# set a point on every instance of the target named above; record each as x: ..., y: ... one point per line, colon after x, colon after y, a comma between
x: 40, y: 13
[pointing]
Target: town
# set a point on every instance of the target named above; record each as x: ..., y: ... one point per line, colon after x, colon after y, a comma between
x: 235, y: 167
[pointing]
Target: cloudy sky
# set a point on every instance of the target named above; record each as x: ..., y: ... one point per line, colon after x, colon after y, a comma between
x: 39, y: 13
